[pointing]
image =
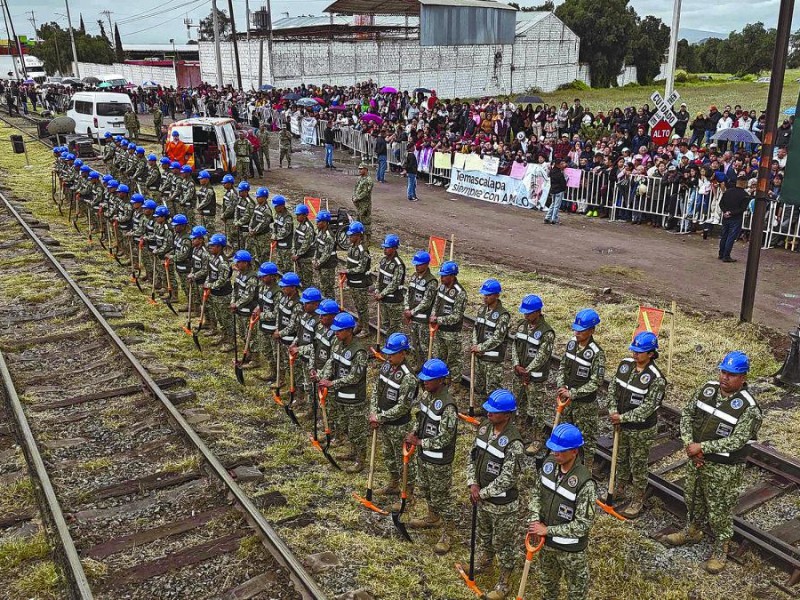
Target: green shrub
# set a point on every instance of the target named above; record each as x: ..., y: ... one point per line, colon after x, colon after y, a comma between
x: 576, y: 84
x: 681, y: 76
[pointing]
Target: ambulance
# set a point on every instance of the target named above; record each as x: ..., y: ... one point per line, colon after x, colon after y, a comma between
x: 208, y: 144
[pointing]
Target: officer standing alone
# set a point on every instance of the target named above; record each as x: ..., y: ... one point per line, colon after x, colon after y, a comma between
x: 489, y: 339
x: 362, y: 200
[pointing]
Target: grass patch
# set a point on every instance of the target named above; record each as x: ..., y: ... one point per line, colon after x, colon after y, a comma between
x: 17, y: 496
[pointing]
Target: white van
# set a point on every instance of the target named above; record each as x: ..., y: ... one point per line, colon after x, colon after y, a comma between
x: 98, y: 112
x: 209, y: 144
x: 113, y: 80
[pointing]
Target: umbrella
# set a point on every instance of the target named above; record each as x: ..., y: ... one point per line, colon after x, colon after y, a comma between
x: 306, y: 102
x: 129, y: 86
x: 91, y: 80
x: 530, y: 100
x: 105, y: 84
x: 29, y: 82
x: 292, y: 96
x: 735, y: 134
x: 319, y: 100
x: 372, y: 117
x: 337, y: 108
x: 353, y: 102
x: 387, y: 89
x: 149, y: 85
x: 265, y: 88
x: 790, y: 111
x: 423, y: 90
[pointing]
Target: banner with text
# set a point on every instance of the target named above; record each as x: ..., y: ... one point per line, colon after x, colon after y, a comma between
x: 308, y: 131
x: 500, y: 189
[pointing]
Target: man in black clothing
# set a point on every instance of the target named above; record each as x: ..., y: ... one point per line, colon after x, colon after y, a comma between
x: 733, y: 203
x: 329, y: 139
x: 381, y: 152
x: 410, y: 168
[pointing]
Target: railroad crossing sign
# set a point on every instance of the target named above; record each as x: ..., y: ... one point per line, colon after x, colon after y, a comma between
x: 664, y: 109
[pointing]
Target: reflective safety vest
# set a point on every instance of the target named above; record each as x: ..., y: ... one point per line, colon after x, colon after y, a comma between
x: 206, y: 207
x: 261, y: 214
x: 631, y: 394
x: 319, y: 248
x: 485, y: 326
x: 430, y: 422
x: 158, y: 235
x: 559, y: 500
x: 179, y: 244
x: 357, y: 280
x: 343, y: 356
x: 240, y: 288
x: 386, y: 271
x: 323, y: 340
x: 489, y: 455
x: 239, y: 211
x: 213, y: 276
x: 416, y: 292
x: 281, y: 221
x: 579, y: 366
x: 302, y: 233
x: 527, y: 341
x: 197, y: 263
x: 445, y: 305
x: 266, y: 300
x: 149, y: 228
x: 389, y: 381
x: 308, y: 325
x: 716, y: 417
x: 285, y: 309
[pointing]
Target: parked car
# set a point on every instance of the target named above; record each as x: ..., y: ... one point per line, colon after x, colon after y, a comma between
x: 98, y: 112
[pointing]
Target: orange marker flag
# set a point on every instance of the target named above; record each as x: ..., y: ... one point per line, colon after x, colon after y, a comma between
x: 649, y: 319
x: 313, y: 205
x: 436, y: 248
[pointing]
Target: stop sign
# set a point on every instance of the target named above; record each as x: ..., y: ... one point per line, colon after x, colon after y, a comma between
x: 660, y: 133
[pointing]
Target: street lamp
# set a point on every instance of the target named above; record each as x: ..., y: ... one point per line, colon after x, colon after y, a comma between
x: 174, y: 60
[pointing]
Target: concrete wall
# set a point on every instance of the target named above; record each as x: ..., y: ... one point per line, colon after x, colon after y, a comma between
x: 133, y: 73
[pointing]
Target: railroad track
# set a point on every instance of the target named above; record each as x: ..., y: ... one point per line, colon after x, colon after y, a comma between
x: 122, y: 477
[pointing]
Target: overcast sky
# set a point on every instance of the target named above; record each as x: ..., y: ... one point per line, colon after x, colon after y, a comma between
x: 153, y: 21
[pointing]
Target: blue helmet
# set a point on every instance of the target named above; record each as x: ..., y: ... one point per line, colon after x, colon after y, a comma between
x: 278, y: 200
x: 71, y: 156
x: 175, y: 165
x: 434, y: 368
x: 421, y: 258
x: 175, y: 133
x: 77, y: 162
x: 243, y: 186
x: 135, y: 198
x: 162, y: 211
x: 165, y: 160
x: 242, y: 256
x: 491, y: 286
x: 344, y: 320
x: 199, y: 231
x: 107, y: 134
x: 323, y: 215
x: 228, y: 179
x: 289, y: 279
x: 86, y: 169
x: 117, y: 138
x: 565, y: 437
x: 735, y: 362
x: 124, y: 189
x: 204, y: 175
x: 113, y: 183
x: 218, y: 239
x: 355, y: 228
x: 180, y: 219
x: 311, y: 294
x: 107, y: 178
x: 391, y: 241
x: 328, y: 307
x: 152, y: 157
x: 448, y: 268
x: 94, y: 175
x: 186, y: 169
x: 530, y: 304
x: 397, y: 342
x: 262, y: 192
x: 267, y: 268
x: 139, y: 150
x: 301, y: 210
x: 150, y: 204
x: 585, y: 319
x: 500, y: 401
x: 64, y: 155
x: 644, y: 341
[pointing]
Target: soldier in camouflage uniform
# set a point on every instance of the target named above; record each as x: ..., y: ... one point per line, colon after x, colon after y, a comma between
x: 158, y: 121
x: 141, y: 169
x: 165, y: 181
x: 146, y: 232
x: 199, y: 261
x: 435, y: 438
x: 127, y: 217
x: 165, y: 242
x: 263, y: 147
x: 530, y: 359
x: 152, y: 179
x: 489, y: 340
x: 243, y: 148
x: 345, y: 374
x: 362, y: 200
x: 561, y: 510
x: 130, y: 165
x: 717, y: 425
x: 282, y: 234
x: 259, y: 230
x: 309, y: 299
x: 120, y: 159
x: 492, y: 474
x: 390, y: 411
x: 109, y: 149
x: 634, y: 397
x: 268, y: 296
x: 229, y: 201
x: 358, y: 277
x: 245, y: 297
x: 580, y: 376
x: 325, y: 259
x: 242, y: 213
x: 389, y: 286
x: 448, y: 315
x: 206, y: 202
x: 303, y: 249
x: 318, y: 354
x: 132, y: 124
x: 420, y: 297
x: 175, y: 186
x: 285, y: 147
x: 219, y: 282
x: 181, y: 258
x: 289, y: 312
x: 187, y: 200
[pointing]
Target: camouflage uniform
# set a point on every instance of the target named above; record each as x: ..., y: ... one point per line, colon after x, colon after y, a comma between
x: 175, y: 190
x: 636, y: 396
x: 723, y: 425
x: 285, y: 147
x: 165, y: 242
x: 263, y: 148
x: 581, y: 371
x: 283, y: 232
x: 152, y: 181
x: 490, y: 336
x: 158, y: 121
x: 199, y: 260
x: 182, y: 260
x: 229, y: 201
x: 391, y: 402
x: 132, y: 125
x: 316, y: 355
x: 449, y: 310
x: 245, y: 298
x: 219, y: 280
x: 532, y: 349
x: 362, y: 199
x: 420, y: 296
x: 325, y: 262
x: 391, y: 276
x: 304, y: 251
x: 243, y: 148
x: 494, y: 464
x: 259, y: 228
x: 207, y: 207
x: 268, y: 297
x: 147, y: 233
x: 140, y: 173
x: 166, y: 185
x: 289, y: 312
x: 305, y: 336
x: 188, y: 197
x: 358, y: 265
x: 242, y: 214
x: 565, y: 503
x: 109, y: 150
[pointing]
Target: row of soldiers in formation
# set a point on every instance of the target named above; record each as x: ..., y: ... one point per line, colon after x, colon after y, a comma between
x: 298, y: 321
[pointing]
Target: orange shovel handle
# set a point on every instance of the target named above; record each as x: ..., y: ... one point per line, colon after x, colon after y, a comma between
x: 530, y: 548
x: 408, y: 451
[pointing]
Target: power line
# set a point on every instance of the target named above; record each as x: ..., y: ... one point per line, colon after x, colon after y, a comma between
x: 194, y: 3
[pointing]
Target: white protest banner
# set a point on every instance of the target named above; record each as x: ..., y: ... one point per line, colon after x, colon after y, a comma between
x: 499, y: 189
x: 308, y: 131
x: 491, y: 164
x: 294, y: 124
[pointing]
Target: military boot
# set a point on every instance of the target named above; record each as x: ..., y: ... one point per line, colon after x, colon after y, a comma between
x: 409, y: 499
x: 690, y: 535
x: 719, y: 557
x: 427, y: 522
x: 393, y: 487
x: 502, y: 587
x: 443, y: 545
x: 484, y: 563
x: 634, y: 509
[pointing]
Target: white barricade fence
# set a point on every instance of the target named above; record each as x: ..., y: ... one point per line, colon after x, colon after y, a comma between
x: 439, y: 167
x: 396, y: 156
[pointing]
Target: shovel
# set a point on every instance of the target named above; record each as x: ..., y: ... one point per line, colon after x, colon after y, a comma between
x: 432, y: 329
x: 246, y: 355
x: 187, y: 329
x: 115, y: 252
x: 471, y: 420
x: 237, y: 368
x: 272, y: 245
x: 134, y: 272
x: 530, y: 552
x: 342, y: 279
x: 323, y: 395
x: 408, y: 450
x: 168, y: 299
x: 367, y: 502
x: 560, y: 406
x: 472, y: 384
x: 378, y: 329
x: 469, y: 579
x: 276, y: 390
x: 195, y: 338
x: 89, y: 221
x: 153, y: 287
x: 608, y: 505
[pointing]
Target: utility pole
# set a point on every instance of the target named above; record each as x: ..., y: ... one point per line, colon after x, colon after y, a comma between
x: 269, y: 44
x: 247, y: 16
x: 72, y: 40
x: 768, y: 143
x: 107, y: 15
x: 673, y: 48
x: 16, y: 40
x: 8, y: 35
x: 217, y: 49
x: 32, y: 20
x: 235, y: 46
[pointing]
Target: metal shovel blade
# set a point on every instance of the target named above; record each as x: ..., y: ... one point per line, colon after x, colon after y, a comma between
x: 399, y: 525
x: 291, y: 414
x: 239, y: 373
x: 168, y: 302
x: 196, y: 341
